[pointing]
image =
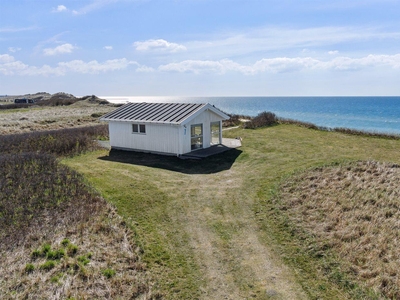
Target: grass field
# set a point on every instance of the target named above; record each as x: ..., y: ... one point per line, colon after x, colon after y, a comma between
x: 214, y: 229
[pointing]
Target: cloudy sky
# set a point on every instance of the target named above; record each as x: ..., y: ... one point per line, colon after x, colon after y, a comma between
x: 200, y: 47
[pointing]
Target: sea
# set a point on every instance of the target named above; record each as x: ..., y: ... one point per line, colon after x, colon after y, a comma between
x: 372, y: 114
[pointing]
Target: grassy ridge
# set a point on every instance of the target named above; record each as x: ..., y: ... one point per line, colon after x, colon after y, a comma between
x: 167, y: 192
x: 286, y: 150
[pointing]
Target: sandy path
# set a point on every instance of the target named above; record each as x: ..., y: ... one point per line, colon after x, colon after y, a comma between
x: 224, y: 236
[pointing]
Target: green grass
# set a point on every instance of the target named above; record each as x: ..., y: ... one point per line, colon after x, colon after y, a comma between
x: 229, y: 198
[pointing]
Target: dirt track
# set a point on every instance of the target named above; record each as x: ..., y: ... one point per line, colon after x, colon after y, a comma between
x: 224, y: 237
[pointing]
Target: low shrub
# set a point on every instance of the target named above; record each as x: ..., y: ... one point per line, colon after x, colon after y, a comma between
x: 261, y: 120
x: 72, y: 249
x: 108, y: 273
x: 29, y: 268
x: 56, y: 254
x: 84, y: 259
x: 65, y: 242
x: 48, y: 265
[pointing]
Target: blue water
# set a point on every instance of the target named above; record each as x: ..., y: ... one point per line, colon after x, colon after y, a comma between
x: 374, y: 114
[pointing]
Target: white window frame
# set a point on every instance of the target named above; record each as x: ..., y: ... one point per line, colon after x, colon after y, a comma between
x: 140, y: 128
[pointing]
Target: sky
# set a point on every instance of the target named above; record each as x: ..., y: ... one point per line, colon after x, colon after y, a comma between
x: 200, y: 47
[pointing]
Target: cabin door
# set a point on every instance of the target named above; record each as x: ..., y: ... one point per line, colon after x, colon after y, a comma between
x: 215, y: 133
x: 196, y: 136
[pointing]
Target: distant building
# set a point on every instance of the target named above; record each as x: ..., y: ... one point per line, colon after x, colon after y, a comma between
x: 23, y: 100
x: 165, y: 128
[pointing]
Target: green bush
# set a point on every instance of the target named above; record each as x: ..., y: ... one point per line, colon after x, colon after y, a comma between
x: 108, y: 273
x: 84, y: 259
x: 29, y: 268
x: 261, y: 120
x: 36, y: 253
x: 48, y: 265
x: 72, y: 249
x: 46, y: 248
x: 58, y: 254
x: 65, y: 242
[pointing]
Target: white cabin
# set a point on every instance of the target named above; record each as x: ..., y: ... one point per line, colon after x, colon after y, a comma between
x: 165, y: 128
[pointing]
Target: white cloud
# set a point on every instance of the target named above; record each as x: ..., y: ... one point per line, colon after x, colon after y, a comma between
x: 145, y: 69
x: 204, y: 66
x: 370, y: 61
x: 108, y: 47
x: 9, y: 66
x: 263, y: 39
x: 60, y: 8
x: 14, y: 49
x: 94, y: 67
x: 5, y: 58
x: 65, y: 48
x: 283, y: 64
x: 158, y: 45
x: 334, y: 52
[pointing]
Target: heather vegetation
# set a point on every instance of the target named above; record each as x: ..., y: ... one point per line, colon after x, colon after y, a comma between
x: 34, y: 187
x: 348, y: 213
x: 59, y: 142
x: 59, y: 238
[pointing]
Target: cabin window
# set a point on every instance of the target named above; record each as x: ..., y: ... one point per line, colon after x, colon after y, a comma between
x: 139, y: 128
x: 196, y: 134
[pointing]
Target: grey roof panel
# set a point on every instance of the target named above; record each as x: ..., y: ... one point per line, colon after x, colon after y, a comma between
x: 153, y: 112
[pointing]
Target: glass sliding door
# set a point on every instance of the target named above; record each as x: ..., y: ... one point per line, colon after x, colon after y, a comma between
x: 215, y: 133
x: 196, y: 134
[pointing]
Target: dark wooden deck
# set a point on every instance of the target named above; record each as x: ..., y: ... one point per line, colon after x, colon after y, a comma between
x: 227, y: 144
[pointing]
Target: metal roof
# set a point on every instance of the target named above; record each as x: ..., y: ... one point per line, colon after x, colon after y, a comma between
x: 174, y: 113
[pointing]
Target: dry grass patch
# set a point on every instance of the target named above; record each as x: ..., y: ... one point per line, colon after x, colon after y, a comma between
x: 50, y: 118
x: 354, y: 210
x: 87, y: 260
x: 60, y: 239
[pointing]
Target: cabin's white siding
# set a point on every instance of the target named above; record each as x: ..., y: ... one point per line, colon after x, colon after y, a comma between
x: 163, y: 138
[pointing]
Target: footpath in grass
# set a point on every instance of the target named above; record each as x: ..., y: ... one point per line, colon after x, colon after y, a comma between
x: 204, y: 227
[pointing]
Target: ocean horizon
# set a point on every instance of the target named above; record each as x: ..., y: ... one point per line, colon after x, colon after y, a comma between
x: 378, y: 114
